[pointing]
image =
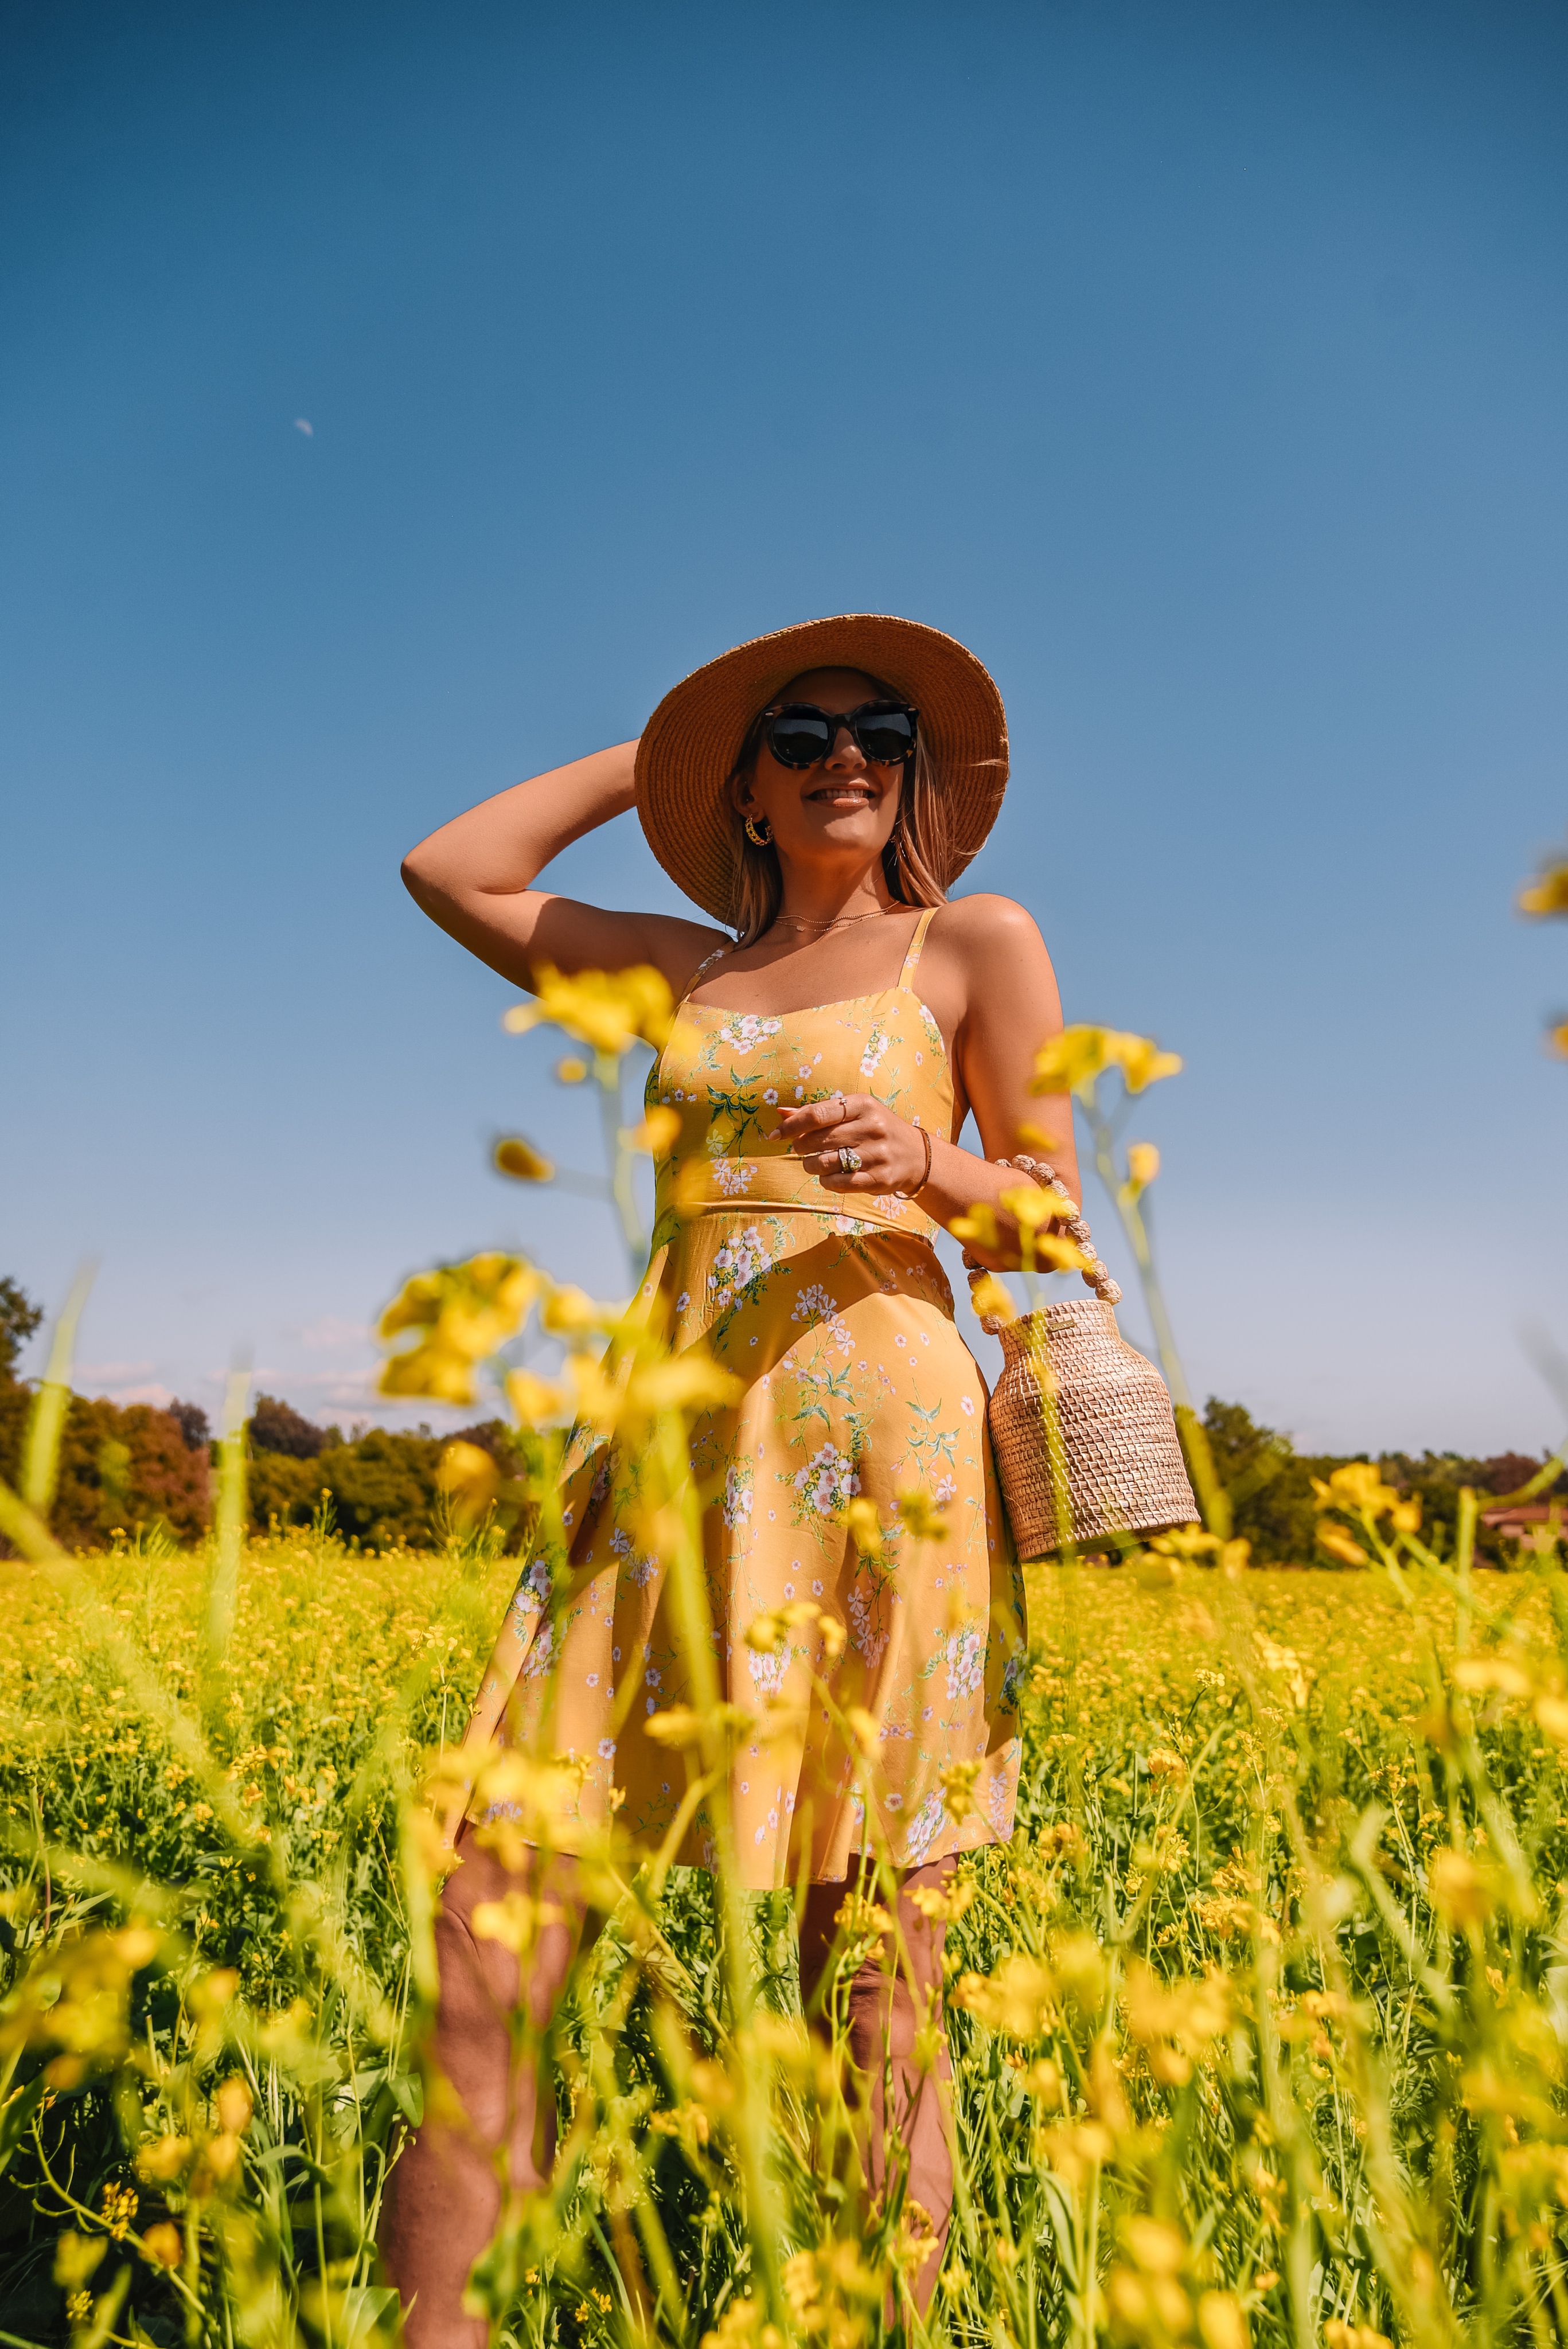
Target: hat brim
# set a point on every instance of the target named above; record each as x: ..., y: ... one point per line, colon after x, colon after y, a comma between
x: 689, y: 745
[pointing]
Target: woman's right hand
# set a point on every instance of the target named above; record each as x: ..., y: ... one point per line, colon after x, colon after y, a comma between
x: 474, y: 876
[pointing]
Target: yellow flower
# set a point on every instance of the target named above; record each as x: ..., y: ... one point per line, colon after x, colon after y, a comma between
x: 1459, y: 1892
x: 534, y: 1399
x: 1143, y: 1165
x: 76, y: 2257
x: 766, y: 1634
x: 431, y: 1370
x: 519, y: 1159
x: 919, y: 1516
x: 1557, y: 1041
x: 570, y: 1311
x: 1548, y: 893
x: 688, y: 1381
x: 465, y: 1311
x: 163, y: 2245
x: 864, y: 1728
x: 657, y: 1133
x: 570, y: 1070
x: 1019, y: 1998
x: 1030, y: 1205
x: 1070, y: 1061
x: 865, y: 1526
x: 1356, y: 1485
x: 1140, y: 1060
x: 609, y: 1010
x: 957, y: 1782
x: 163, y: 2158
x: 979, y: 1226
x: 469, y: 1477
x: 991, y: 1301
x: 1221, y: 2321
x: 679, y: 1727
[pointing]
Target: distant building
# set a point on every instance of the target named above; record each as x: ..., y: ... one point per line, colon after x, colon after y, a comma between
x: 1537, y: 1521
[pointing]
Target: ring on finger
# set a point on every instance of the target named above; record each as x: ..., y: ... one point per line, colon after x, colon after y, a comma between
x: 849, y: 1161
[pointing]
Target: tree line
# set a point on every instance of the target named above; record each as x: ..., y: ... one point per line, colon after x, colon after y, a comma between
x: 131, y: 1468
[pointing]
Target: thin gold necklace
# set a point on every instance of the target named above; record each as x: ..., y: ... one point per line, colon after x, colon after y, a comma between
x: 839, y: 922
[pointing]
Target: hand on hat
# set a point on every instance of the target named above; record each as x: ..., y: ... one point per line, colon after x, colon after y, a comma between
x: 891, y: 1152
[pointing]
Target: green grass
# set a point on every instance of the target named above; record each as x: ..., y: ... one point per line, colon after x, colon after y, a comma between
x: 1255, y: 2024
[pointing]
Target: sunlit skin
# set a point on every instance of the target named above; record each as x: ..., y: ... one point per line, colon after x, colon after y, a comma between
x: 984, y: 975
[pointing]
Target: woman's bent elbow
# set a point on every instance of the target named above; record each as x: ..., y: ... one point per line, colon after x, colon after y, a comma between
x: 418, y: 879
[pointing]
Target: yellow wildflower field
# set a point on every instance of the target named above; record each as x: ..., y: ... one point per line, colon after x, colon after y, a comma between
x: 1256, y: 2023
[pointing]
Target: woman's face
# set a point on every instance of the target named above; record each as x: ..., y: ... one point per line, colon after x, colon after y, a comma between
x: 842, y: 807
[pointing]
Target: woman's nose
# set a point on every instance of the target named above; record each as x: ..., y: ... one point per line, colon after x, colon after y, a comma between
x: 846, y: 751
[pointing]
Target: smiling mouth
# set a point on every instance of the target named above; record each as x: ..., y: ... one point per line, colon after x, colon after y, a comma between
x: 861, y: 794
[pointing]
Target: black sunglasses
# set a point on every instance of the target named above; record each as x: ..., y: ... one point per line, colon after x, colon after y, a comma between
x: 799, y: 734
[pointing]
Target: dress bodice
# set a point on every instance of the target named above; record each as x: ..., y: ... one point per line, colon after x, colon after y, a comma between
x: 727, y: 1074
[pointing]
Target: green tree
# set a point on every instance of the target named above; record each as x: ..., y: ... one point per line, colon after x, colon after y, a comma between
x: 19, y: 1317
x: 128, y: 1466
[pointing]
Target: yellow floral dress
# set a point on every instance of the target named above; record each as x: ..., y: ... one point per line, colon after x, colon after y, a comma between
x: 835, y: 1313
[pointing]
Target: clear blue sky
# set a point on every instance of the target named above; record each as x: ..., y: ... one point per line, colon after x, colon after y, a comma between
x: 1204, y: 367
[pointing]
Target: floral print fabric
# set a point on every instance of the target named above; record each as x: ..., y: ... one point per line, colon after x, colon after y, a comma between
x: 835, y: 1313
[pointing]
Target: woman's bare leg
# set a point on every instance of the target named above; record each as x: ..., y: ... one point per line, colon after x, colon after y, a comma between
x: 443, y: 2198
x: 888, y: 2010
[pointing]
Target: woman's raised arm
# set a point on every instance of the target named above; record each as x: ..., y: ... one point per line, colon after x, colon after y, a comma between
x: 473, y: 877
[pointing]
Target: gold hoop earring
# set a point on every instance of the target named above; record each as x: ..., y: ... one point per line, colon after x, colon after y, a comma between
x: 759, y: 836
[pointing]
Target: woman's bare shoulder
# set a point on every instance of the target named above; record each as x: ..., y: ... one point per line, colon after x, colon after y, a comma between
x: 988, y: 930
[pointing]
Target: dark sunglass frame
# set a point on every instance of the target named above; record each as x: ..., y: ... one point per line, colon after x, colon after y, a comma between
x: 850, y: 720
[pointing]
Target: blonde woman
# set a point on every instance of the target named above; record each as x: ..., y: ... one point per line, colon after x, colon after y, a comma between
x: 816, y: 792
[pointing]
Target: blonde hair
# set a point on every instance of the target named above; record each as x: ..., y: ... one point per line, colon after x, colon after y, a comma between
x: 916, y: 860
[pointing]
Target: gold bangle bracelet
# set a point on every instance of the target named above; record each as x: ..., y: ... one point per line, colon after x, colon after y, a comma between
x: 916, y: 1188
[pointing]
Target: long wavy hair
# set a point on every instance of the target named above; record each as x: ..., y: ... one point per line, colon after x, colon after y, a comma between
x: 918, y: 854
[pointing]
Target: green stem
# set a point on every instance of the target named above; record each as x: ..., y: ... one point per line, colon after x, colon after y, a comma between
x: 41, y: 1465
x: 1212, y: 1497
x: 622, y: 1166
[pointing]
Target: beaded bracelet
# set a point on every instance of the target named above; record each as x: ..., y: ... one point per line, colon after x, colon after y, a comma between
x: 1095, y: 1273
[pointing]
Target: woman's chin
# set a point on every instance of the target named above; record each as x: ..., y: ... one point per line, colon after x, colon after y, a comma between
x: 846, y: 835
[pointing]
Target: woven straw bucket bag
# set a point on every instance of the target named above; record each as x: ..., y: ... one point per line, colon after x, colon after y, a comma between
x: 1081, y: 1425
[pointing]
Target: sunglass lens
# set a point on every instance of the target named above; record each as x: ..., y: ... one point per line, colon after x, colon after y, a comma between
x: 799, y: 738
x: 887, y: 734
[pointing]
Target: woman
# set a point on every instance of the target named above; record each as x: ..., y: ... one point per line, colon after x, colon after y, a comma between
x: 818, y: 791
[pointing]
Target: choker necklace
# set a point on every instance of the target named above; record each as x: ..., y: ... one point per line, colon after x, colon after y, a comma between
x: 839, y: 921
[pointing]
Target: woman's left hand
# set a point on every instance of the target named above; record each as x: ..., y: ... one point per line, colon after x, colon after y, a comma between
x: 891, y: 1153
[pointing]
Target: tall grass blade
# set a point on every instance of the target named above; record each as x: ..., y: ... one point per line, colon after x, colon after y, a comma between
x: 41, y: 1464
x: 228, y: 1534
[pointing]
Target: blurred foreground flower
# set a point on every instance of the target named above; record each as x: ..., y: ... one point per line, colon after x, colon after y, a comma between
x: 470, y: 1478
x: 609, y: 1010
x: 1548, y: 893
x: 656, y: 1133
x: 514, y: 1156
x: 1070, y: 1061
x: 462, y: 1313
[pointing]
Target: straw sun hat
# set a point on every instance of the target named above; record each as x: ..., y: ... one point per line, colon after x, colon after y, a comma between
x: 690, y: 744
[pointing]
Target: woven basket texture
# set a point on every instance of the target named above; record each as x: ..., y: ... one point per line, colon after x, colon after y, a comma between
x: 690, y: 743
x: 1113, y: 1430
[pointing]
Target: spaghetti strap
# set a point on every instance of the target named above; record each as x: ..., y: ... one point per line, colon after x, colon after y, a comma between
x: 916, y: 944
x: 717, y: 953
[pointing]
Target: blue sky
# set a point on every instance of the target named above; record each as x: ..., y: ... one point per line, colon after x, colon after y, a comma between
x: 1203, y: 367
